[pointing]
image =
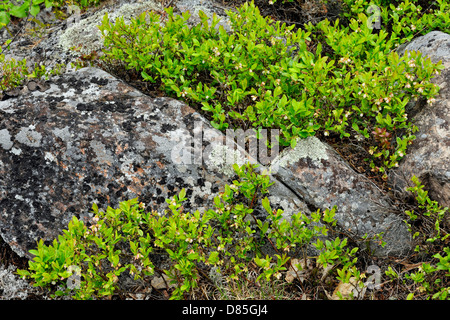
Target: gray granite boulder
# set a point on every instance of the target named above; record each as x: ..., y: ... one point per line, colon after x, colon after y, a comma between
x: 91, y: 138
x: 319, y: 176
x: 429, y: 155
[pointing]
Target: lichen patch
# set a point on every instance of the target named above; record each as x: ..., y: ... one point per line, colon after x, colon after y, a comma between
x: 29, y: 137
x: 5, y: 139
x: 223, y: 158
x: 310, y: 147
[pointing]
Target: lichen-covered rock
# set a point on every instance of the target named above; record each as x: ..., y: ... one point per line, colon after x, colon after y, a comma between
x: 11, y: 286
x: 92, y: 138
x: 320, y: 177
x: 429, y: 155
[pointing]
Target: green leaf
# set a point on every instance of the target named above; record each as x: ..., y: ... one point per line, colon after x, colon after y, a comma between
x: 217, y: 201
x: 293, y: 142
x: 23, y: 273
x: 185, y: 287
x: 244, y: 84
x: 94, y: 208
x: 277, y: 91
x: 146, y: 76
x: 388, y: 119
x: 4, y: 18
x: 182, y: 194
x: 202, y: 15
x: 213, y: 257
x: 283, y: 101
x: 20, y: 11
x: 266, y: 205
x: 263, y: 227
x: 35, y: 10
x: 193, y: 256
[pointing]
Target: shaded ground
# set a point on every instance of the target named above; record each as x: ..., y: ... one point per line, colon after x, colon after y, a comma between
x: 9, y: 257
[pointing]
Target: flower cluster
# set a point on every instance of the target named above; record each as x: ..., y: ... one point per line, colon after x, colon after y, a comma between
x: 345, y: 60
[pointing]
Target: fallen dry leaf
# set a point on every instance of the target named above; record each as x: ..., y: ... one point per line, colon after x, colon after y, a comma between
x: 160, y: 283
x: 298, y: 268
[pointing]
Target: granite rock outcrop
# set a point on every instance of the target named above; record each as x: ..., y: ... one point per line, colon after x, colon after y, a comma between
x: 428, y: 156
